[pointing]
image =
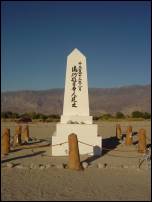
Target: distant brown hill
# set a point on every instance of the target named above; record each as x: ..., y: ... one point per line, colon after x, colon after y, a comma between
x: 102, y: 100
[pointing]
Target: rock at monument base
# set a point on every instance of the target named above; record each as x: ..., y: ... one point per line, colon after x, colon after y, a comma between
x: 76, y: 118
x: 85, y: 165
x: 60, y: 166
x: 10, y: 165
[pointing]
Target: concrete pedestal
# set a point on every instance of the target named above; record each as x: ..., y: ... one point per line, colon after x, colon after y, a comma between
x: 86, y: 133
x: 78, y: 119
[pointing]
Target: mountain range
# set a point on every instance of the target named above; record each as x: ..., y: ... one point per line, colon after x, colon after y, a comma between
x: 102, y: 100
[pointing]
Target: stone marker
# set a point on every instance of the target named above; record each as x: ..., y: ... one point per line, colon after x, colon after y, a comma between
x: 17, y: 136
x: 20, y: 166
x: 9, y: 165
x: 142, y: 141
x: 85, y: 165
x: 118, y: 132
x: 33, y: 166
x: 6, y: 141
x: 100, y: 165
x: 76, y: 118
x: 128, y: 140
x: 74, y: 157
x: 60, y: 166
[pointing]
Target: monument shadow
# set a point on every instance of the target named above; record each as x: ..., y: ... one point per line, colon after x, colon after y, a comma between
x: 108, y: 144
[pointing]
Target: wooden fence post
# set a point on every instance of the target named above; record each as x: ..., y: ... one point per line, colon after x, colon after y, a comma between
x: 74, y: 157
x: 17, y: 136
x: 118, y: 132
x: 26, y: 135
x: 6, y: 141
x: 142, y: 140
x: 128, y: 140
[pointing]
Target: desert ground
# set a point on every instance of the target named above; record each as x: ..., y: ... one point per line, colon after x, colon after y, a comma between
x: 115, y: 175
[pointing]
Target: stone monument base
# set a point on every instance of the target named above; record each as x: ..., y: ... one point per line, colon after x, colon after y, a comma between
x: 89, y: 142
x: 79, y: 119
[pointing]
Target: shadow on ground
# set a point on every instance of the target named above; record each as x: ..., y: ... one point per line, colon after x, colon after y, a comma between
x: 108, y: 144
x: 22, y: 157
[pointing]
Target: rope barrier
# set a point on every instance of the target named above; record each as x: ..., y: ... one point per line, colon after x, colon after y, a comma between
x: 103, y: 148
x: 28, y: 146
x: 86, y: 144
x: 59, y: 144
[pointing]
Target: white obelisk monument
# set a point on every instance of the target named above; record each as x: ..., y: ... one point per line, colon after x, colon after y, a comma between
x: 76, y: 118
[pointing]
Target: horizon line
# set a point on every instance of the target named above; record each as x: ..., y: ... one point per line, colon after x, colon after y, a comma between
x: 59, y: 88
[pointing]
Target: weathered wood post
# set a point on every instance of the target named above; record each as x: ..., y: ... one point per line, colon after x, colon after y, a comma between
x: 142, y: 140
x: 74, y: 157
x: 118, y: 132
x: 25, y: 134
x: 6, y: 141
x: 17, y: 136
x: 128, y: 140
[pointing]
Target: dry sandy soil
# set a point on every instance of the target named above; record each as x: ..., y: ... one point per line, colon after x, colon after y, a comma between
x: 38, y: 176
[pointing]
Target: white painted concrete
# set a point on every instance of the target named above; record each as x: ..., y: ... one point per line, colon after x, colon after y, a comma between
x: 82, y: 101
x: 86, y: 133
x: 76, y: 118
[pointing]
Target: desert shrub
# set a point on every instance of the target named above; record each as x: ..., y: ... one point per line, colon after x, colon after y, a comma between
x: 24, y: 115
x: 6, y: 115
x: 25, y: 119
x: 137, y: 114
x: 35, y: 116
x: 44, y: 117
x: 15, y: 115
x: 120, y: 115
x: 96, y: 118
x: 32, y: 115
x: 49, y: 120
x: 9, y: 115
x: 147, y: 115
x: 54, y: 116
x: 106, y: 116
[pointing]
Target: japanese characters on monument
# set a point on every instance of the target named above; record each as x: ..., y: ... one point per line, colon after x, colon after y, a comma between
x: 76, y: 102
x: 76, y: 78
x: 80, y: 76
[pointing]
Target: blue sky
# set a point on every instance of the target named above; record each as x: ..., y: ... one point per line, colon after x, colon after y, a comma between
x: 37, y: 37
